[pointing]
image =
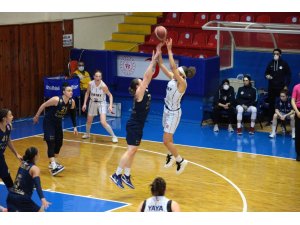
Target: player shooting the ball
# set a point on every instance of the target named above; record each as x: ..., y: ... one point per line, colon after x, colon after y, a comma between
x: 172, y: 110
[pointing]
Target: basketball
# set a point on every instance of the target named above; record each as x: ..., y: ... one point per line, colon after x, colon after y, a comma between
x: 161, y: 33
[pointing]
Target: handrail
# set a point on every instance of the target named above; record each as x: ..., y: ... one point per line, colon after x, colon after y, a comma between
x: 248, y: 27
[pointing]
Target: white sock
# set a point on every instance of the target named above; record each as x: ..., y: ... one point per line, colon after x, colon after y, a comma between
x: 119, y: 171
x: 239, y: 124
x: 252, y: 123
x: 88, y: 128
x: 109, y: 130
x: 178, y: 158
x: 127, y: 171
x: 273, y: 128
x: 292, y: 122
x: 274, y: 125
x: 53, y: 164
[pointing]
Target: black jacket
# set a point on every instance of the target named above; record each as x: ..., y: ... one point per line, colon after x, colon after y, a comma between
x: 281, y: 73
x: 246, y: 95
x: 224, y: 96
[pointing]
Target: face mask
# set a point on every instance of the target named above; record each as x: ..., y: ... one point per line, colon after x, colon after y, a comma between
x: 276, y: 57
x: 81, y: 68
x: 225, y: 87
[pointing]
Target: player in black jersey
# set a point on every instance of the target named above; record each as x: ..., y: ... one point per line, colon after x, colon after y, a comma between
x: 59, y: 106
x: 28, y: 177
x: 6, y: 118
x: 135, y: 124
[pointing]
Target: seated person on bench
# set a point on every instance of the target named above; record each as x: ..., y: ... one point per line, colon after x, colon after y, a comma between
x: 283, y: 112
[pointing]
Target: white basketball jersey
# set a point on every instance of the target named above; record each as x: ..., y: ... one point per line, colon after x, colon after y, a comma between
x: 157, y: 204
x: 97, y: 94
x: 173, y: 97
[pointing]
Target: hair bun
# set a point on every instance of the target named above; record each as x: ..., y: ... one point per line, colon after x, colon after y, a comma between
x: 191, y: 71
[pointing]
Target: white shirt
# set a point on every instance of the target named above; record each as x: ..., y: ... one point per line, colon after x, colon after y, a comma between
x: 97, y: 94
x: 173, y: 97
x: 157, y: 204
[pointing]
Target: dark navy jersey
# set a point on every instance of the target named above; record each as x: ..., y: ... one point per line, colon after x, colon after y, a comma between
x: 24, y: 183
x: 141, y: 109
x: 284, y: 107
x: 58, y: 112
x: 246, y: 95
x: 4, y: 137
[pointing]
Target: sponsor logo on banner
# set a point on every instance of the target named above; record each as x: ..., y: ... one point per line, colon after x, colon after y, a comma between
x: 127, y: 65
x: 52, y: 88
x: 135, y: 67
x: 74, y: 87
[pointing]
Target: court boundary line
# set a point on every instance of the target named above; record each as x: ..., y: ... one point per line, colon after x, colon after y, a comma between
x: 199, y: 147
x: 65, y: 129
x: 244, y: 201
x: 203, y: 148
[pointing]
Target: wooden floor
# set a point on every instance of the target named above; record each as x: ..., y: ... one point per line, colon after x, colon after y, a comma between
x: 214, y: 180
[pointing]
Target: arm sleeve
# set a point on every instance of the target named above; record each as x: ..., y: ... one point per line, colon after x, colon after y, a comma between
x: 237, y: 97
x: 216, y: 98
x: 268, y: 69
x: 277, y: 104
x: 37, y: 183
x: 232, y: 96
x: 73, y: 116
x: 254, y: 97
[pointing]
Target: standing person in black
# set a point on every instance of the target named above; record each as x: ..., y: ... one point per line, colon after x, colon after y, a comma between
x: 6, y: 118
x: 27, y: 178
x: 59, y: 106
x: 135, y: 124
x: 279, y: 76
x: 224, y: 102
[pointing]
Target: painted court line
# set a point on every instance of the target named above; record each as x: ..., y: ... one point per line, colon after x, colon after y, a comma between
x: 196, y: 164
x: 199, y: 147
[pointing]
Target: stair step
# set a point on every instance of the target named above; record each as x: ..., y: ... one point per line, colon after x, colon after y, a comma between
x: 154, y: 14
x: 129, y: 37
x: 121, y: 46
x: 140, y: 20
x: 134, y: 28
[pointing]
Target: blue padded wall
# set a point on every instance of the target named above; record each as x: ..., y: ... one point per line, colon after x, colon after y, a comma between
x: 203, y: 84
x: 254, y: 63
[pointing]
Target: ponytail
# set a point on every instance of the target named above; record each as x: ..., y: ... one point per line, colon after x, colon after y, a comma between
x: 132, y: 87
x: 30, y: 153
x: 3, y: 113
x: 158, y: 187
x: 189, y: 72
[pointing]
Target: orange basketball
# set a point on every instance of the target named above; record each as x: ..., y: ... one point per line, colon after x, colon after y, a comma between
x: 161, y: 33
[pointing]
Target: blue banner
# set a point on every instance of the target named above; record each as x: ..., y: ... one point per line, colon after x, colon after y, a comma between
x: 53, y: 86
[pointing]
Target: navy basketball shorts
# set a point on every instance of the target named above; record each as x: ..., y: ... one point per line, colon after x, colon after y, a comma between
x: 21, y: 203
x: 4, y: 172
x: 52, y: 130
x: 134, y: 133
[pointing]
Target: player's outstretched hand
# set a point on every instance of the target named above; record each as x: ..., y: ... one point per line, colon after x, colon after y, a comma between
x: 35, y: 119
